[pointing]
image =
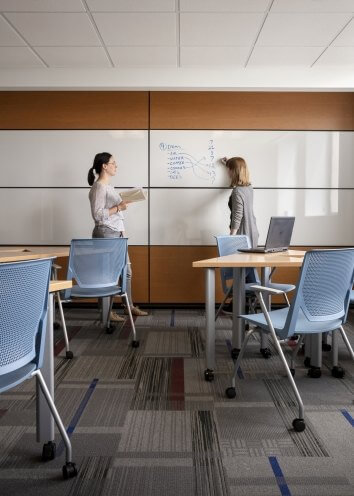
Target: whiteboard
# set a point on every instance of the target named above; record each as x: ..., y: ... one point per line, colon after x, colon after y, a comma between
x: 194, y: 216
x: 55, y: 216
x: 283, y: 159
x: 63, y: 158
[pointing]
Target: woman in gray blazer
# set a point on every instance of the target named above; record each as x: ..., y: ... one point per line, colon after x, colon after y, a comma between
x: 242, y: 218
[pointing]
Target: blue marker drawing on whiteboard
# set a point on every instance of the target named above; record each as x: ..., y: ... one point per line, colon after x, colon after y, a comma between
x: 179, y: 162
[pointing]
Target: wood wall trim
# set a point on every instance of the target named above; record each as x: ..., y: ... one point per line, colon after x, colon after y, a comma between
x: 251, y: 110
x: 74, y: 110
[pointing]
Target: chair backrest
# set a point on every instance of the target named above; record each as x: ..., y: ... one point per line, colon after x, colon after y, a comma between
x: 227, y: 245
x: 97, y: 262
x: 324, y: 287
x: 23, y: 312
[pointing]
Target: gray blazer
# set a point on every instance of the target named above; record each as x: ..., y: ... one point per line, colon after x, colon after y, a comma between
x: 242, y: 217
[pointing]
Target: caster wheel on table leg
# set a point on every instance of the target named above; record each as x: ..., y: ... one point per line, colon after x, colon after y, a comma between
x: 135, y: 344
x: 209, y: 375
x: 292, y: 372
x: 314, y: 372
x: 69, y: 355
x: 109, y: 330
x: 56, y: 326
x: 49, y: 451
x: 338, y: 372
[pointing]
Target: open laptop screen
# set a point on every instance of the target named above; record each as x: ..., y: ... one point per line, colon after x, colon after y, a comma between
x: 279, y: 232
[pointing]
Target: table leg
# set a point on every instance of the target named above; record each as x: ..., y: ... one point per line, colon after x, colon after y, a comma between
x: 316, y: 356
x: 265, y: 278
x: 238, y: 305
x: 105, y: 302
x: 45, y: 420
x: 210, y: 322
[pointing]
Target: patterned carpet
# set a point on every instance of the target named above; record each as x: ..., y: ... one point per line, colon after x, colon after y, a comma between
x: 144, y: 422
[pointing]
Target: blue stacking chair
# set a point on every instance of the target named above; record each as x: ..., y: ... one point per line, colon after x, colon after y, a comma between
x: 99, y: 267
x: 227, y: 245
x: 319, y: 305
x: 24, y: 305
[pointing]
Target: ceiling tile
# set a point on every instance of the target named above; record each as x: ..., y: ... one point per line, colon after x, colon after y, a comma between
x: 313, y: 6
x: 214, y: 56
x: 18, y: 58
x: 41, y: 6
x: 137, y: 29
x: 74, y: 56
x: 8, y: 36
x: 55, y: 29
x: 301, y: 29
x: 131, y: 5
x: 346, y: 38
x: 219, y: 29
x: 337, y: 56
x: 224, y: 5
x: 286, y: 56
x: 143, y: 56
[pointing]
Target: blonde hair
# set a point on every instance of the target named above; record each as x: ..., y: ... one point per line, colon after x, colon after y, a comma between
x: 240, y: 175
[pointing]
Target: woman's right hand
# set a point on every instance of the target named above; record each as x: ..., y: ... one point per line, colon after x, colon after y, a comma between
x: 122, y: 206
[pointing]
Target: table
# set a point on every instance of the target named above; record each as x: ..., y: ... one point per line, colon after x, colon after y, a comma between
x: 45, y: 420
x: 239, y: 262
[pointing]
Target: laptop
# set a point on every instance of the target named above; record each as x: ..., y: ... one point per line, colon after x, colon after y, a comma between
x: 278, y: 237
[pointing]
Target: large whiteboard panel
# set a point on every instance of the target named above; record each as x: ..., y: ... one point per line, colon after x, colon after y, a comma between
x: 63, y: 158
x: 55, y: 216
x: 194, y: 215
x: 286, y: 159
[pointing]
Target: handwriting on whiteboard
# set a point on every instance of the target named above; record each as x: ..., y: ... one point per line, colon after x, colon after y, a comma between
x: 180, y: 163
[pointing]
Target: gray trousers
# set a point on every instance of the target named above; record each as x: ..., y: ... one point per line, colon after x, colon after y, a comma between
x: 106, y: 232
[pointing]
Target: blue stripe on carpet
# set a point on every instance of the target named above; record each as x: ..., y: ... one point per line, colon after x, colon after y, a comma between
x: 172, y: 323
x: 283, y: 487
x: 77, y: 415
x: 348, y: 417
x: 239, y: 372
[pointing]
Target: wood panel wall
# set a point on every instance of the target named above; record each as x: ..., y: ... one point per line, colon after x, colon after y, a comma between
x: 164, y: 274
x: 74, y: 110
x: 251, y: 110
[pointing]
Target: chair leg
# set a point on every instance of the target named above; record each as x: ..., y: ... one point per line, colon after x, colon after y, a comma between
x: 286, y: 299
x: 135, y: 342
x: 223, y: 302
x: 240, y: 355
x: 290, y: 377
x: 69, y: 469
x: 346, y: 342
x: 295, y: 352
x: 69, y: 354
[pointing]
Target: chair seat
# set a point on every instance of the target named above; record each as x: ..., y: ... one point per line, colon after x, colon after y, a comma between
x: 79, y: 292
x: 12, y: 379
x: 282, y: 287
x: 303, y: 326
